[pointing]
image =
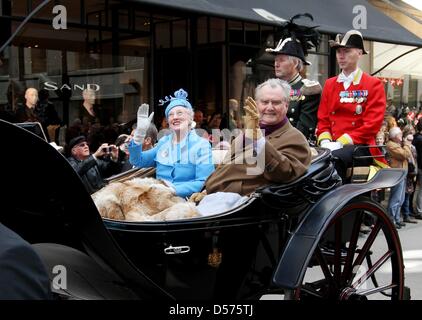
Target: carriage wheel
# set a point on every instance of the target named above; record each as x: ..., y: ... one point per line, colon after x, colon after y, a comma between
x: 350, y: 265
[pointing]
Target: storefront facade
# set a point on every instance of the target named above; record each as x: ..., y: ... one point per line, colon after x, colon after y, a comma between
x: 131, y: 52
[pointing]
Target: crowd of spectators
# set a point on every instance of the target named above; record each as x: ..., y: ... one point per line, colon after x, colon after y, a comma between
x: 401, y: 140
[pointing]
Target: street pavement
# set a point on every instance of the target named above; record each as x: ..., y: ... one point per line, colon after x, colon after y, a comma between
x: 411, y: 241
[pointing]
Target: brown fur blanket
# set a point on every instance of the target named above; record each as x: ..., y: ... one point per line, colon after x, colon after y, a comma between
x: 142, y: 199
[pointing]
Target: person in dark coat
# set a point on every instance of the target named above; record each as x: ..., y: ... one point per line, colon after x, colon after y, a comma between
x: 90, y: 167
x: 28, y: 112
x: 305, y: 95
x: 23, y: 276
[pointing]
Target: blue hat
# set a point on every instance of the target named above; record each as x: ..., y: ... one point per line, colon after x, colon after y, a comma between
x: 179, y: 100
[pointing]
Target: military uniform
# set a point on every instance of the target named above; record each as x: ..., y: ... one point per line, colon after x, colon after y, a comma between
x: 353, y: 116
x: 304, y: 100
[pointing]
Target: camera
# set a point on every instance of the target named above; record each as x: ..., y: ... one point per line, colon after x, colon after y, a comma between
x: 107, y: 149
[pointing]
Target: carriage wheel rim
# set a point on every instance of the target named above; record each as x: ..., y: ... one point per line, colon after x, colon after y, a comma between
x: 393, y: 255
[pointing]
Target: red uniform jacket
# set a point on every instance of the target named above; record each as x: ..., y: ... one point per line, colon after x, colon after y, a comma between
x: 351, y: 122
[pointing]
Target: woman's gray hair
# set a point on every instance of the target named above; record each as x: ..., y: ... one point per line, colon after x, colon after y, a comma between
x: 274, y: 83
x: 394, y: 132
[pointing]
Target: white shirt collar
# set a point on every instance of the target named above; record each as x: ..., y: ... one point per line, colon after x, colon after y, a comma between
x: 354, y: 77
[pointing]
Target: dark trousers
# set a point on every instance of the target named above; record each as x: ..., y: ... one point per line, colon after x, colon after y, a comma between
x: 344, y: 159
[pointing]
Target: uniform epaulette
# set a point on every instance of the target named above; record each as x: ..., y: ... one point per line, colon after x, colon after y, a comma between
x: 310, y: 87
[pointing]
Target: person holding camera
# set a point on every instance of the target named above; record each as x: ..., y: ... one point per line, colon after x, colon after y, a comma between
x: 93, y: 168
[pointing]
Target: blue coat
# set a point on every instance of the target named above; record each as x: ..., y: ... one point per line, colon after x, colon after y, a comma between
x: 186, y: 165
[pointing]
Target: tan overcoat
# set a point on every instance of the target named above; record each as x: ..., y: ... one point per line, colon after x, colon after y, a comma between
x: 398, y: 154
x: 285, y: 157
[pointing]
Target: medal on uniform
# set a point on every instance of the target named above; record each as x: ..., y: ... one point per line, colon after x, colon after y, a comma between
x: 360, y: 98
x: 350, y: 99
x: 358, y: 109
x: 292, y: 95
x: 342, y: 96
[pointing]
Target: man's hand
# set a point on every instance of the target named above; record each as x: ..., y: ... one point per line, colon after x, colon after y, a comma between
x: 251, y: 119
x: 143, y: 123
x: 101, y: 150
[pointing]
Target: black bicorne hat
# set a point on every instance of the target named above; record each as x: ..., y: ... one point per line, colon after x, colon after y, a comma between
x: 351, y: 39
x: 289, y: 47
x: 295, y: 39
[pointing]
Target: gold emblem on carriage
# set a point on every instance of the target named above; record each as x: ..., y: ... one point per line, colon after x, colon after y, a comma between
x: 214, y: 258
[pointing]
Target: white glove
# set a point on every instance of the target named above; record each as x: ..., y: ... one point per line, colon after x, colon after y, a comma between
x: 332, y: 145
x: 324, y: 142
x: 143, y: 123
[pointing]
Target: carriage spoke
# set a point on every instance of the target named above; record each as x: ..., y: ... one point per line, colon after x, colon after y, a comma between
x: 376, y: 290
x: 352, y: 247
x: 323, y: 264
x: 365, y: 249
x: 369, y: 273
x: 337, y: 251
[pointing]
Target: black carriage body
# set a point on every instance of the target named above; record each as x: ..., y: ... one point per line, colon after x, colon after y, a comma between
x: 237, y: 254
x: 232, y: 255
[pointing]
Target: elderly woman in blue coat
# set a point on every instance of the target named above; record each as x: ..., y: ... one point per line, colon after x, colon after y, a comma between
x: 182, y: 159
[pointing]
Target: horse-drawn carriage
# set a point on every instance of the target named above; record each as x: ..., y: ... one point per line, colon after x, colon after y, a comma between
x: 301, y: 240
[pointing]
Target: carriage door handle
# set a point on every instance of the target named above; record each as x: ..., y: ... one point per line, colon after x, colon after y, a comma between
x: 176, y: 250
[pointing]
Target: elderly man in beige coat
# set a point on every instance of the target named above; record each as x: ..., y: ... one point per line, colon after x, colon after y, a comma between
x: 270, y: 151
x: 398, y: 152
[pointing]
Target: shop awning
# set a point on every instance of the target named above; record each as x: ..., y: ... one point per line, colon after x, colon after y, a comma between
x: 332, y: 16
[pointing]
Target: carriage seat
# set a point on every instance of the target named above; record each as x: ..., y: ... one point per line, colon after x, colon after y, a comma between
x: 320, y: 178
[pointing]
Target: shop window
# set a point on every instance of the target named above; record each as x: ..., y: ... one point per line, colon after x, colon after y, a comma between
x: 142, y: 22
x: 217, y: 30
x: 318, y: 70
x: 180, y: 34
x: 267, y: 36
x: 123, y: 18
x: 236, y: 32
x: 252, y: 34
x: 202, y: 30
x: 54, y: 62
x: 34, y: 60
x: 162, y: 35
